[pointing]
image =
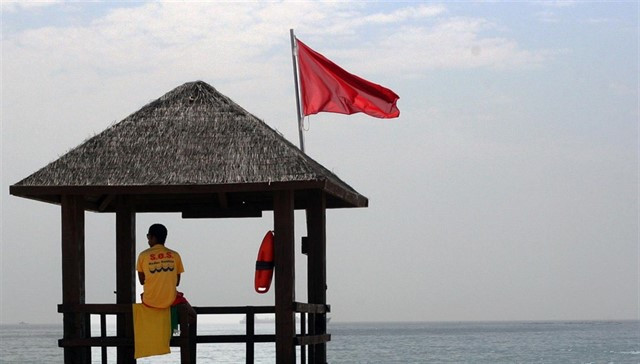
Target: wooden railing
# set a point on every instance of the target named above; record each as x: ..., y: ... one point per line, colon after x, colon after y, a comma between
x: 250, y: 337
x: 307, y: 338
x: 189, y: 338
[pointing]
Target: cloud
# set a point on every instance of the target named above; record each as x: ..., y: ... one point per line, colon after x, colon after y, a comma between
x: 452, y: 43
x: 211, y: 37
x: 422, y: 11
x: 244, y: 48
x: 547, y: 16
x: 599, y: 21
x: 12, y: 6
x: 559, y: 3
x: 149, y: 39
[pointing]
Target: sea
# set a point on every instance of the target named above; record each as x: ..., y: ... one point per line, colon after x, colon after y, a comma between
x: 416, y: 342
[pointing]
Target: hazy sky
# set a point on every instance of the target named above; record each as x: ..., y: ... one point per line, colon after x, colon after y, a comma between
x: 506, y: 190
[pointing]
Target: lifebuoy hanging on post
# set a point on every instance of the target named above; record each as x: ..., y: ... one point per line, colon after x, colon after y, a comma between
x: 264, y: 264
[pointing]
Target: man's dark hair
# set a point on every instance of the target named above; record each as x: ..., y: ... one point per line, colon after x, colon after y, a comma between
x: 159, y: 231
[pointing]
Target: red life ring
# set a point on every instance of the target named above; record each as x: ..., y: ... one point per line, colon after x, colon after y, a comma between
x: 264, y: 264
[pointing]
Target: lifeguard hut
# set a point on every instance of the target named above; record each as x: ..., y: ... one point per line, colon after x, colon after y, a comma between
x: 196, y: 152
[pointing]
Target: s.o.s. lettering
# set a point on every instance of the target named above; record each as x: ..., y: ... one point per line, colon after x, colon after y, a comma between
x: 153, y: 256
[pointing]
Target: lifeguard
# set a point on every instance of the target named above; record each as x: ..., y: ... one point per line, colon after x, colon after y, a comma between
x: 159, y: 270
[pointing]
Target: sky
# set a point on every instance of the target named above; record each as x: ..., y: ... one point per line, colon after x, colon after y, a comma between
x: 506, y: 190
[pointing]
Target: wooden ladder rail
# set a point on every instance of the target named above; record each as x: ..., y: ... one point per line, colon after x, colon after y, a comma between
x: 304, y: 339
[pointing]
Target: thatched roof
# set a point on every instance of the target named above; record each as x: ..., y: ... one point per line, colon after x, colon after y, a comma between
x: 191, y: 138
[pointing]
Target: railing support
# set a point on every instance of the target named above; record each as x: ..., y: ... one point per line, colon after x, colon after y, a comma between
x: 193, y: 338
x: 303, y: 331
x: 187, y: 337
x: 251, y: 331
x: 103, y: 334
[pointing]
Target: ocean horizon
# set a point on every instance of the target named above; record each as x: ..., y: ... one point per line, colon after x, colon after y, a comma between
x: 580, y: 341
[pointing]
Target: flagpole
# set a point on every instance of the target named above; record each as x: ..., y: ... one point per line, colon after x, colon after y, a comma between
x: 294, y: 55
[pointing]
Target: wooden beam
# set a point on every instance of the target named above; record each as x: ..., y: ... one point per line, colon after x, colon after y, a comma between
x: 75, y: 325
x: 95, y: 341
x: 95, y: 308
x: 233, y: 310
x: 125, y: 272
x: 317, y: 270
x: 351, y: 198
x: 104, y: 202
x: 285, y: 276
x: 346, y: 197
x: 222, y: 200
x: 28, y: 191
x: 312, y: 339
x: 215, y: 213
x: 311, y: 307
x: 220, y: 339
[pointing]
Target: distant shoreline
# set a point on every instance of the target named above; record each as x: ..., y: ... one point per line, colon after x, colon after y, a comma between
x: 33, y: 324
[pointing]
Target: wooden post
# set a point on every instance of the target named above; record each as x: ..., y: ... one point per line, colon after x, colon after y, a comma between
x: 103, y: 334
x: 193, y: 338
x: 125, y: 273
x: 284, y: 276
x: 250, y: 329
x: 187, y: 356
x: 317, y: 270
x: 75, y: 325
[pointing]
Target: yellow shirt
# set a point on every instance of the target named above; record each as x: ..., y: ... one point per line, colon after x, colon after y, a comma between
x: 161, y: 267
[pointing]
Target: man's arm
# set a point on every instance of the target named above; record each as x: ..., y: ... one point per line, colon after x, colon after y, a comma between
x: 141, y: 278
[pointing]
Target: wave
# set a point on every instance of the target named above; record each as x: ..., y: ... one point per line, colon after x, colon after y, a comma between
x: 168, y: 269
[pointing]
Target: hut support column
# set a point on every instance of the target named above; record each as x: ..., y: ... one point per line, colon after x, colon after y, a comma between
x: 317, y: 270
x: 75, y: 325
x: 125, y: 273
x: 284, y: 277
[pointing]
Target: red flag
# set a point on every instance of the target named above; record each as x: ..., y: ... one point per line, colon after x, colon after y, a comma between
x: 327, y: 87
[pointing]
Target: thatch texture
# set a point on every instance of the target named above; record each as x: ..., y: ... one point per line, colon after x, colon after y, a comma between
x: 192, y: 135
